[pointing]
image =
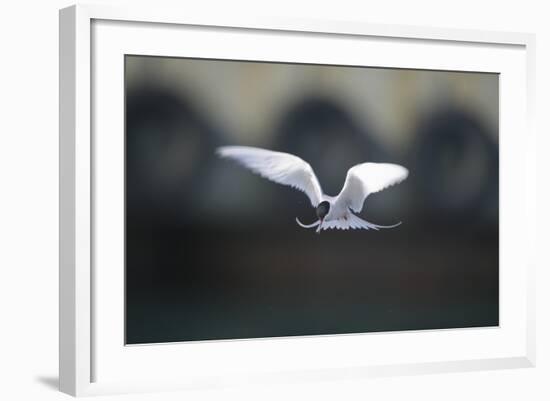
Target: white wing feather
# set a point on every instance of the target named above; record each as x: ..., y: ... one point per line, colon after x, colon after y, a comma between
x: 365, y: 179
x: 282, y: 168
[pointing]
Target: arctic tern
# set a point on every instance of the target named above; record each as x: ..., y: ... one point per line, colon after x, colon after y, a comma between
x: 333, y: 212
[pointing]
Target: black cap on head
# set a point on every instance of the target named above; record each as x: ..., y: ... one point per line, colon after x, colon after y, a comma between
x: 322, y: 209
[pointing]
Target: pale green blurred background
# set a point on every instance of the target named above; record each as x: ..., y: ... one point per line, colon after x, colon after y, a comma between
x: 390, y: 101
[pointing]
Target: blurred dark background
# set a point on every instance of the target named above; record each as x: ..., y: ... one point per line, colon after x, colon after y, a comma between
x: 212, y: 250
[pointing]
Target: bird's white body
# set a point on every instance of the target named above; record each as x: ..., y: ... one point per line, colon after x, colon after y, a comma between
x: 337, y: 209
x: 361, y: 181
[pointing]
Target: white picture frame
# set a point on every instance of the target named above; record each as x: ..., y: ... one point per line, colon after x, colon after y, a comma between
x: 83, y: 344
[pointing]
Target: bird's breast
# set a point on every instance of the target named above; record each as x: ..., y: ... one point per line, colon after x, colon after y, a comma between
x: 336, y: 213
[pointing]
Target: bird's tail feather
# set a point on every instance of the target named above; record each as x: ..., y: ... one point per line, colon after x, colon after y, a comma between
x: 358, y: 222
x: 315, y: 224
x: 352, y: 222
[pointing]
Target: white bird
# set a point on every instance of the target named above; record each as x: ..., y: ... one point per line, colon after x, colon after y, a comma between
x: 332, y: 211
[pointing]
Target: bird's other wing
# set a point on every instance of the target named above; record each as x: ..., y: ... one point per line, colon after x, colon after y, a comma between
x: 365, y: 179
x: 282, y: 168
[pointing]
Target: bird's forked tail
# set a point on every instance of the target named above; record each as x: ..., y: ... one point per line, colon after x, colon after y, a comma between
x: 351, y: 221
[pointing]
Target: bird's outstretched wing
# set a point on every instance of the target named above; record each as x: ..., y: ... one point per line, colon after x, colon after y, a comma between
x: 365, y: 179
x: 282, y: 168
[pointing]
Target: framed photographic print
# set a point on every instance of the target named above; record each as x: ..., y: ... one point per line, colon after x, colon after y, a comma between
x: 279, y: 200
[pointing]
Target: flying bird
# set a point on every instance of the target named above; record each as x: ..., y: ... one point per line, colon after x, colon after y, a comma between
x: 333, y: 212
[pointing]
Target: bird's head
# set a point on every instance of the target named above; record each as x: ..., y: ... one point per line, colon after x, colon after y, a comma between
x: 322, y: 210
